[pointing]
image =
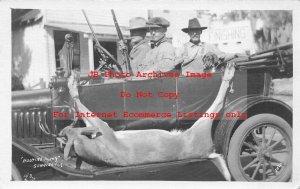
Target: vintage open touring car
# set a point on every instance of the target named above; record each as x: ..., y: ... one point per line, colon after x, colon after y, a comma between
x: 253, y: 131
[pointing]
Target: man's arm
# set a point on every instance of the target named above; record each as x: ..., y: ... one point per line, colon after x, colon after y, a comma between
x: 138, y: 56
x: 221, y: 55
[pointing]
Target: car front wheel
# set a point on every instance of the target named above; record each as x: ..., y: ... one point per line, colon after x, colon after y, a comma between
x: 15, y: 174
x: 261, y: 149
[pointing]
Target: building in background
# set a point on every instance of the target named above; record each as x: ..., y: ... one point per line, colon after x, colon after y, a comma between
x: 39, y: 35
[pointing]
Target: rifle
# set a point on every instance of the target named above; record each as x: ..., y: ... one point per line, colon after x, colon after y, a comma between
x: 124, y: 51
x: 103, y: 52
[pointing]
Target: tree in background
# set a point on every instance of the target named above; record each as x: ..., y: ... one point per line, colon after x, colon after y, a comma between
x: 16, y: 77
x: 270, y: 27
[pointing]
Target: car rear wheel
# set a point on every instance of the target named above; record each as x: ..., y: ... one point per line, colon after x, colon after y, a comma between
x: 261, y: 149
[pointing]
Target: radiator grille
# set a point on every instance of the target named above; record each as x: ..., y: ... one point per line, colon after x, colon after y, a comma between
x: 25, y: 124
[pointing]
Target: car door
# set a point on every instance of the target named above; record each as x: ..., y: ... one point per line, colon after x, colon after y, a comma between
x: 197, y: 95
x: 105, y: 98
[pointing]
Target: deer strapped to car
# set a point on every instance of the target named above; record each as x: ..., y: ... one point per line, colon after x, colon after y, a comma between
x: 256, y: 147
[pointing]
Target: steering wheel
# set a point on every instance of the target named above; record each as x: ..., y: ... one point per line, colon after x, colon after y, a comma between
x: 109, y: 60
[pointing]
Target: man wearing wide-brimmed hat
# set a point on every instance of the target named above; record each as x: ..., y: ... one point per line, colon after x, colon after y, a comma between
x: 139, y: 45
x: 162, y: 57
x: 195, y: 51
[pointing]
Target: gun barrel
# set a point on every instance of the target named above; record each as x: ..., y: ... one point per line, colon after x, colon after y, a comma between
x: 117, y: 25
x: 125, y: 52
x: 97, y: 42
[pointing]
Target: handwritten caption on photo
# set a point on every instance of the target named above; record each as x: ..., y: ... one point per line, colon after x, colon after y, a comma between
x: 43, y: 162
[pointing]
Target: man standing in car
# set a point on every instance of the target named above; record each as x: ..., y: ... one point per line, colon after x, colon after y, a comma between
x: 195, y: 53
x: 139, y: 45
x: 162, y: 57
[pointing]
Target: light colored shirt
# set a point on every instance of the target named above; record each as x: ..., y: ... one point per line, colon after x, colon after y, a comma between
x: 161, y: 58
x: 138, y: 54
x: 192, y: 55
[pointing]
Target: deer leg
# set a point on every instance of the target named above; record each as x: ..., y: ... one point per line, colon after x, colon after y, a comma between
x: 218, y: 102
x: 219, y: 161
x: 96, y: 123
x: 78, y: 163
x: 67, y: 149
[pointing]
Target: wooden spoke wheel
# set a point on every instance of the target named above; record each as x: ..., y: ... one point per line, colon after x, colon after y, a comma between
x: 261, y: 149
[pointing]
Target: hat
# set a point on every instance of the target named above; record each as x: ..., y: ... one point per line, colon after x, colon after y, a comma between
x: 137, y: 23
x: 193, y: 24
x: 158, y: 22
